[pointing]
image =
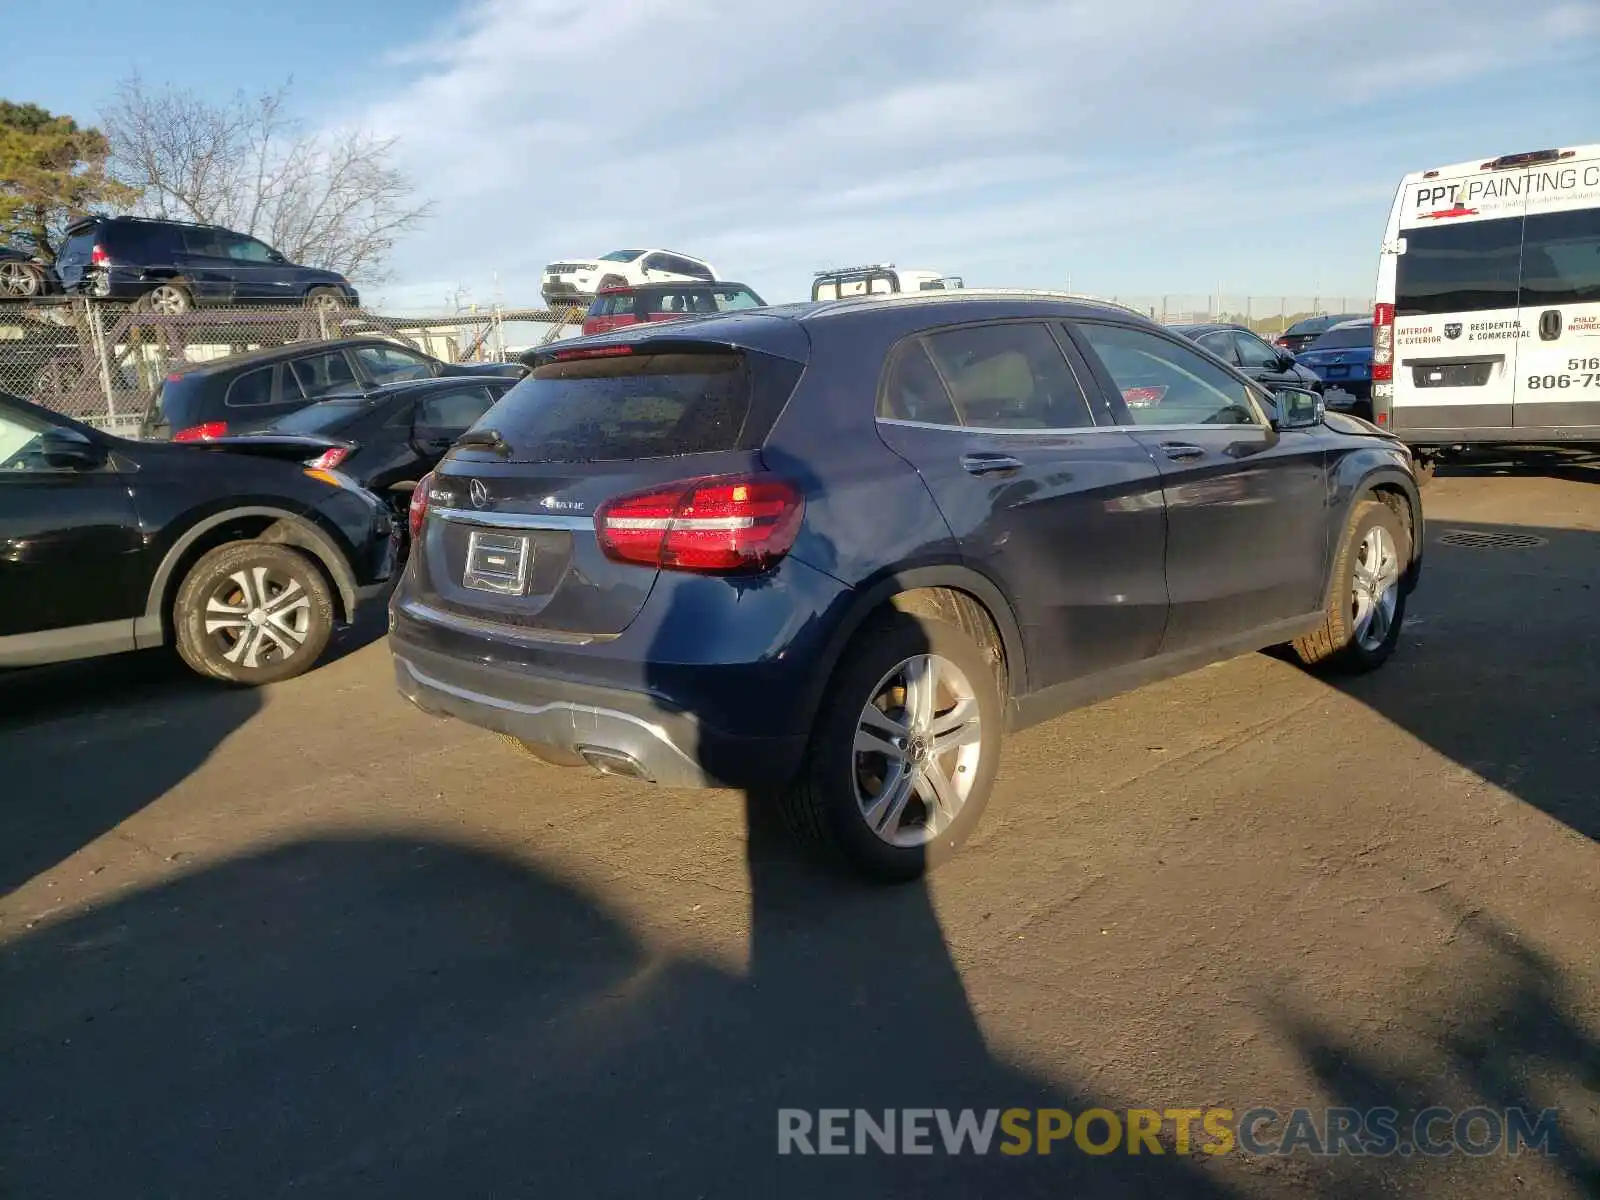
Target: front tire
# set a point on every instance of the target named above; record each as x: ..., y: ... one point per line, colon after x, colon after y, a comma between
x: 1367, y: 599
x: 904, y: 751
x: 253, y: 613
x: 20, y: 280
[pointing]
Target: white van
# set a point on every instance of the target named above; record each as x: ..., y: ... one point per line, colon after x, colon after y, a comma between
x: 1486, y: 323
x: 877, y: 279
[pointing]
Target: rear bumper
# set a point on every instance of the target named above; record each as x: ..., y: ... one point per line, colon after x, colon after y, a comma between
x: 617, y: 731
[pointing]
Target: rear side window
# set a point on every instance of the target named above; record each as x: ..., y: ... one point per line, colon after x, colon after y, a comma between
x: 202, y: 241
x: 251, y: 388
x: 912, y: 389
x: 1561, y: 258
x: 387, y: 364
x: 628, y: 407
x: 1010, y: 376
x: 1456, y: 268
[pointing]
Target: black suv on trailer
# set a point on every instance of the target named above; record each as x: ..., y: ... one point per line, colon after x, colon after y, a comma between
x: 246, y: 563
x: 174, y: 266
x: 247, y: 393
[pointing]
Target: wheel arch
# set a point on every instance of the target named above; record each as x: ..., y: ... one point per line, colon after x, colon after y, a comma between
x: 256, y: 522
x: 932, y: 591
x: 1394, y: 487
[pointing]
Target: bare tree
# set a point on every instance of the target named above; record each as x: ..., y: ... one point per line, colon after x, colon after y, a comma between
x: 331, y: 200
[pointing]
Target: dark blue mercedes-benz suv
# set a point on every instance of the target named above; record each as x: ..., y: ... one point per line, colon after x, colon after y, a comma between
x: 832, y: 552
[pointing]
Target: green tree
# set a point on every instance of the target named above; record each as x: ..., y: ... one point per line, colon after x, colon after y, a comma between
x: 51, y: 172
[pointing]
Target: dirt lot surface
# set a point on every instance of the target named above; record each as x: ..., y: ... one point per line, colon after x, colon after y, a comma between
x: 309, y: 942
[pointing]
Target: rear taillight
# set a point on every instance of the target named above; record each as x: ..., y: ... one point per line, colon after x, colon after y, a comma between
x: 1281, y: 343
x: 1382, y: 342
x: 722, y: 524
x: 418, y: 508
x: 330, y: 458
x: 202, y: 433
x: 99, y: 258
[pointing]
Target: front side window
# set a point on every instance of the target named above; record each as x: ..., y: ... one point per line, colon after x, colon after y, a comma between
x: 1254, y: 354
x: 1163, y: 383
x: 1009, y: 376
x: 388, y: 364
x: 453, y: 410
x: 246, y: 249
x: 19, y: 443
x: 1459, y: 268
x: 323, y: 374
x: 733, y: 299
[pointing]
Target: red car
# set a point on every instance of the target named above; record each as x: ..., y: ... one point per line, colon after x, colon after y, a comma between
x: 615, y: 307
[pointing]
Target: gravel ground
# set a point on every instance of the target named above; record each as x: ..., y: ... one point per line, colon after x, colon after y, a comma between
x: 310, y: 942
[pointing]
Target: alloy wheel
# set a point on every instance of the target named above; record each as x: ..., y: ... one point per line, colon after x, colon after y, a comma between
x: 258, y: 617
x: 18, y: 279
x: 917, y: 746
x: 168, y: 300
x: 1375, y: 588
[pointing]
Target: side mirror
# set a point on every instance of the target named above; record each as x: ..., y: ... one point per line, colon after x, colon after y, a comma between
x: 1297, y: 408
x: 1285, y: 360
x: 68, y: 450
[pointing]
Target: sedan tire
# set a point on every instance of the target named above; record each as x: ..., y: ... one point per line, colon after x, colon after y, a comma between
x: 253, y: 613
x: 904, y: 750
x: 1367, y: 600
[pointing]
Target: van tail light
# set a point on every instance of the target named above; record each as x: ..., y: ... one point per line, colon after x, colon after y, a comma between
x: 418, y: 508
x: 202, y: 433
x: 1382, y: 343
x: 99, y: 258
x: 329, y: 459
x: 721, y: 524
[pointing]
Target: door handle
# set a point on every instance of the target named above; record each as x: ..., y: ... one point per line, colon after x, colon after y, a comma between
x: 1182, y: 451
x: 1550, y: 325
x: 989, y: 464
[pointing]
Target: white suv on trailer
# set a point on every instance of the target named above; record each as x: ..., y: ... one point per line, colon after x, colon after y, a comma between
x: 575, y: 281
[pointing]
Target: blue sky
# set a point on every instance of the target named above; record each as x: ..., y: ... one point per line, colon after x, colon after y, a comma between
x: 1153, y: 147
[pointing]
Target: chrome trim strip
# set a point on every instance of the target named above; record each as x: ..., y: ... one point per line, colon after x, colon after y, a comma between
x: 554, y: 707
x: 513, y: 520
x: 1071, y: 430
x: 419, y: 611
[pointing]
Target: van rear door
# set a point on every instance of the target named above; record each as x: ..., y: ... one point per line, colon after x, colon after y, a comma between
x: 1558, y: 370
x: 1456, y: 335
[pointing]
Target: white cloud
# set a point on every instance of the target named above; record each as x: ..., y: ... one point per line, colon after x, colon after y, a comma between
x: 1017, y: 134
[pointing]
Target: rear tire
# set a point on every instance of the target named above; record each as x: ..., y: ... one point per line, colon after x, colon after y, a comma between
x: 876, y: 789
x: 324, y: 300
x: 170, y: 298
x: 1366, y: 603
x: 253, y: 613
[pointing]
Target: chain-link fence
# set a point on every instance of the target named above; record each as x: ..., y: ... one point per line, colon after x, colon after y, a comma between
x: 104, y: 363
x: 1267, y: 315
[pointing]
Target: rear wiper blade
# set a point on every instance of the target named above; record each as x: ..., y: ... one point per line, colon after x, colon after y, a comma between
x: 488, y: 439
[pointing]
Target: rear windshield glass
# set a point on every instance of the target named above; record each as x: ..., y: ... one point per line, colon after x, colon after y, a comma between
x: 1344, y: 339
x: 322, y: 417
x: 638, y: 406
x: 1459, y: 268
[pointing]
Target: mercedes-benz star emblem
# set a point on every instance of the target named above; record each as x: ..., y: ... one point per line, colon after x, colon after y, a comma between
x: 479, y: 491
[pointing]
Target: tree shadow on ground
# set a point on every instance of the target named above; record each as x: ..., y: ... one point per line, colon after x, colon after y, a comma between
x: 1502, y: 1033
x: 85, y: 745
x: 1498, y: 660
